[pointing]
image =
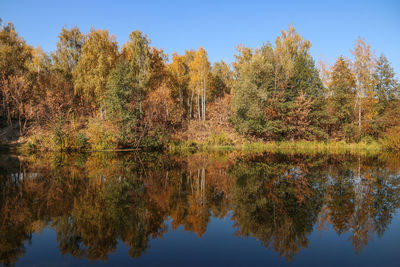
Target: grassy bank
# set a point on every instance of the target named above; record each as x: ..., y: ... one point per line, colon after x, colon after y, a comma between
x: 94, y: 138
x: 301, y: 147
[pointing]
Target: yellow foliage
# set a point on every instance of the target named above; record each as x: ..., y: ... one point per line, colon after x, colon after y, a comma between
x: 392, y: 139
x: 102, y: 135
x: 159, y: 107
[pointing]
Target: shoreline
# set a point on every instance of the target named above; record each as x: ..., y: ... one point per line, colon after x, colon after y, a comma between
x: 191, y: 146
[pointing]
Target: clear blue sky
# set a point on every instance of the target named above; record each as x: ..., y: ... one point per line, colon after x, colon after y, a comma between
x: 218, y: 26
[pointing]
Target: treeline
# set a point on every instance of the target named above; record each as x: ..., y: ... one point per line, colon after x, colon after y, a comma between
x: 92, y: 94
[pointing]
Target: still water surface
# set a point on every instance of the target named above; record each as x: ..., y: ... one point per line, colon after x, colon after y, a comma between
x: 227, y: 209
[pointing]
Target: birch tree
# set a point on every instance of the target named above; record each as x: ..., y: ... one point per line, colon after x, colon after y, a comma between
x: 199, y: 70
x: 179, y: 78
x: 95, y: 63
x: 363, y: 68
x: 137, y: 53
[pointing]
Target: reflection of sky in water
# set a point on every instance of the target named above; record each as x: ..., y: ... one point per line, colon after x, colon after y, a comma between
x: 218, y: 246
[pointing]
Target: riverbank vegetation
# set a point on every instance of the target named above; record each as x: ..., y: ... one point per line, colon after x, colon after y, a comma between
x: 92, y: 94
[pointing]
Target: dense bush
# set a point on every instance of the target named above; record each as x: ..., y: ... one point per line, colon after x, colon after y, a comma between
x: 391, y: 141
x: 101, y: 135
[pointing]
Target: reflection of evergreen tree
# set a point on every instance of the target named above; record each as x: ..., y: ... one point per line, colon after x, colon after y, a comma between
x: 275, y: 202
x: 386, y: 201
x: 341, y: 201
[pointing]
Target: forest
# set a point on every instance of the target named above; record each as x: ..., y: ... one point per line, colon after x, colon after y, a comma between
x: 93, y: 94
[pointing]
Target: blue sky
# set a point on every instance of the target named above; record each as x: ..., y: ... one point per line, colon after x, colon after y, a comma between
x: 218, y: 26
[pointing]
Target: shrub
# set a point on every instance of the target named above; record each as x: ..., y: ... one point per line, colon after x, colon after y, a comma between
x: 220, y: 139
x: 368, y: 139
x: 80, y: 141
x: 391, y: 140
x: 101, y: 135
x: 60, y: 136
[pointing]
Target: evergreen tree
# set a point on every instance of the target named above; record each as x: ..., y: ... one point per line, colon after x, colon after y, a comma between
x: 341, y: 101
x: 386, y: 85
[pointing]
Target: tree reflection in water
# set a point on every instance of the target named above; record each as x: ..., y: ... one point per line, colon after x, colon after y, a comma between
x: 94, y: 201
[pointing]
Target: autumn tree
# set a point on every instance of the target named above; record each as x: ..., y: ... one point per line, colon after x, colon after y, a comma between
x: 55, y: 78
x: 96, y: 60
x: 15, y: 56
x: 158, y: 68
x: 138, y: 72
x: 121, y: 102
x: 40, y: 74
x: 160, y: 107
x: 288, y: 47
x: 244, y: 54
x: 17, y: 91
x: 138, y: 56
x: 222, y: 79
x: 298, y: 119
x: 363, y: 68
x: 69, y: 48
x: 159, y: 99
x: 252, y: 91
x: 199, y: 72
x: 179, y: 82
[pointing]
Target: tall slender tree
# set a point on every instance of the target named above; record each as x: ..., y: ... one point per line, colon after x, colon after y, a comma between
x: 137, y: 53
x: 96, y: 61
x: 199, y: 71
x: 363, y: 68
x: 69, y: 48
x: 15, y: 57
x: 179, y: 80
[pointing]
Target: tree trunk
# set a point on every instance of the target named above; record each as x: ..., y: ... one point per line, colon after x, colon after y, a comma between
x: 190, y: 108
x: 101, y: 111
x: 359, y: 118
x: 24, y: 126
x: 19, y: 122
x: 166, y: 115
x: 202, y: 100
x: 4, y: 106
x: 9, y: 119
x: 191, y: 105
x: 204, y: 86
x: 181, y: 102
x: 202, y: 103
x: 198, y: 104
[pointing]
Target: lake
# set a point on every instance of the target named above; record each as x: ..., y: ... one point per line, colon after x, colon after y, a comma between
x: 204, y: 209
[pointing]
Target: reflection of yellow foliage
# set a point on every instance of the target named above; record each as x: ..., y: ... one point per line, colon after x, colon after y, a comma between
x: 38, y: 226
x: 97, y: 199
